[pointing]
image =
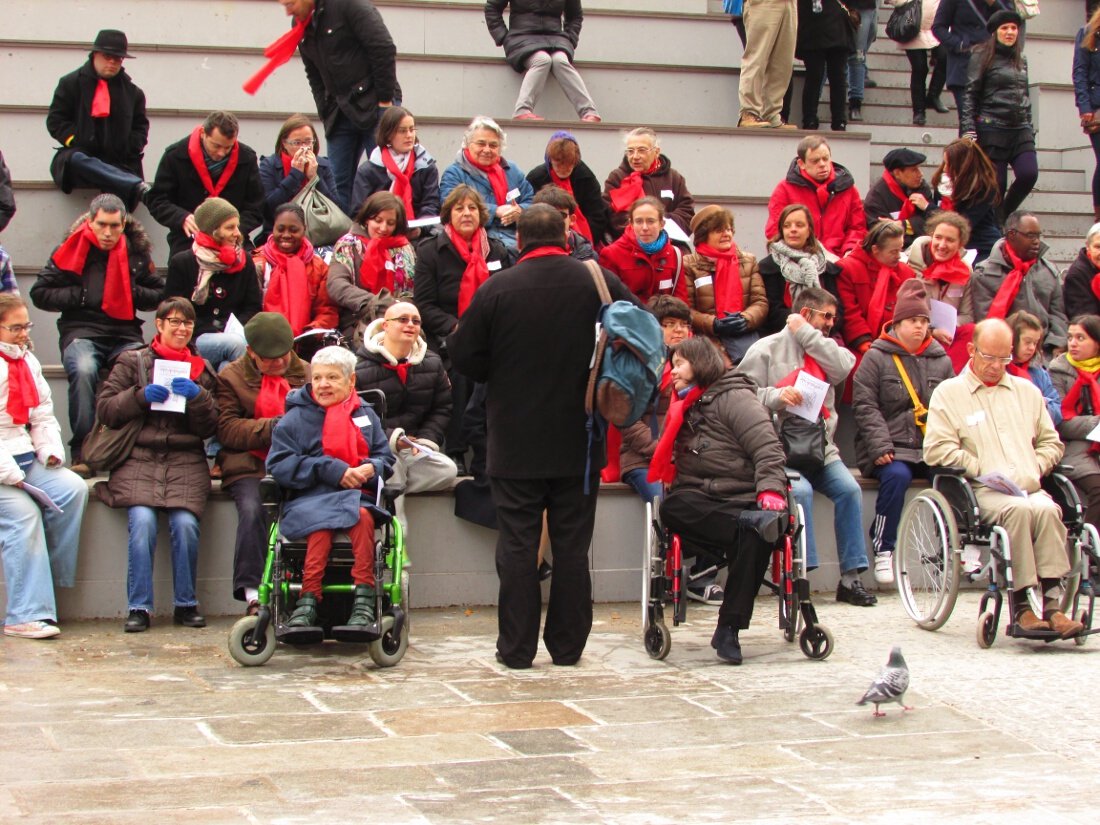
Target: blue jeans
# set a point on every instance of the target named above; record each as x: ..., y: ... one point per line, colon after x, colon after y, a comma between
x: 648, y: 490
x: 83, y: 359
x: 86, y: 171
x: 220, y: 348
x: 835, y: 482
x: 346, y: 145
x: 893, y: 481
x: 39, y: 547
x: 183, y: 530
x: 857, y: 60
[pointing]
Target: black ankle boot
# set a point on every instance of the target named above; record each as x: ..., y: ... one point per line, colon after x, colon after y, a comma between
x: 362, y: 613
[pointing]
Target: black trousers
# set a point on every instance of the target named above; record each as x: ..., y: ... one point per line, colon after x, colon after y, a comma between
x: 918, y: 64
x: 252, y: 526
x: 819, y: 62
x: 571, y: 516
x: 713, y: 522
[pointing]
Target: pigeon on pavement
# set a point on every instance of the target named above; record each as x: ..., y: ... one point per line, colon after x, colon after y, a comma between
x: 891, y: 684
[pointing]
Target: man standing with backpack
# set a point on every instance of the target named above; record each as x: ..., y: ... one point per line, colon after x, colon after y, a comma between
x: 528, y: 333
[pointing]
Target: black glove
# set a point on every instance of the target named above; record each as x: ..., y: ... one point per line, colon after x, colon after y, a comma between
x: 731, y: 326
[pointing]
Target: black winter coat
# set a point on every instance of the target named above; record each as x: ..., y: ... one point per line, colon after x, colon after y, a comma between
x: 534, y: 25
x: 7, y: 197
x: 280, y: 188
x: 958, y: 28
x: 880, y: 202
x: 1077, y: 294
x: 177, y: 192
x: 528, y: 335
x: 586, y: 191
x: 828, y: 29
x: 230, y: 294
x: 371, y: 177
x: 118, y: 139
x: 350, y: 62
x: 79, y: 296
x: 997, y: 97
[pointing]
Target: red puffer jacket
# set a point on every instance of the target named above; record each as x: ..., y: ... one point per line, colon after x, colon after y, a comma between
x: 842, y: 224
x: 859, y: 274
x: 646, y: 275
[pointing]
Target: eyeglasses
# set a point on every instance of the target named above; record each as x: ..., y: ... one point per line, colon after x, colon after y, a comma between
x: 631, y: 151
x: 994, y: 359
x: 1031, y: 236
x: 486, y: 144
x: 829, y: 316
x: 176, y: 323
x: 18, y: 329
x: 407, y: 130
x: 297, y: 144
x: 405, y: 320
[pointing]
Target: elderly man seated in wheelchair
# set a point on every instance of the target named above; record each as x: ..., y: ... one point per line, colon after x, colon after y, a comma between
x: 330, y: 450
x: 996, y: 428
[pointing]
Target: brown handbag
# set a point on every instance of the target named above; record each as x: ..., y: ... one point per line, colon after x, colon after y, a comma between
x: 105, y: 448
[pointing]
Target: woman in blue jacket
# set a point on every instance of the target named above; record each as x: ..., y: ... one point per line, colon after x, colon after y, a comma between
x: 296, y: 162
x: 1086, y: 89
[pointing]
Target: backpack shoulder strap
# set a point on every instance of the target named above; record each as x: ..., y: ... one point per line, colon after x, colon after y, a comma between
x: 600, y: 281
x: 679, y: 267
x: 920, y: 412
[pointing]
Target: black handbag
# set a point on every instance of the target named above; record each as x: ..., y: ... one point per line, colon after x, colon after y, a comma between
x: 904, y: 22
x: 804, y: 442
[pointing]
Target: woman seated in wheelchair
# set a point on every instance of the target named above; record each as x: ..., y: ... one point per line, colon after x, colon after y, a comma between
x: 721, y: 456
x: 331, y: 450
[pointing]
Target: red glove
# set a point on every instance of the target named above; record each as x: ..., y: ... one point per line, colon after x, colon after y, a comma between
x: 768, y: 500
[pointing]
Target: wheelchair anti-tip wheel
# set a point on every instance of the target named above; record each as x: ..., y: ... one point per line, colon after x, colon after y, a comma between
x: 390, y: 649
x: 816, y: 642
x: 987, y: 629
x: 1086, y: 619
x: 926, y: 564
x: 246, y: 647
x: 658, y: 641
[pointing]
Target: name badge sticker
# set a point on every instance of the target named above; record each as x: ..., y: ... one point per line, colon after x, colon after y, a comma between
x: 493, y: 265
x: 390, y: 266
x: 668, y: 193
x: 665, y: 284
x: 974, y: 419
x: 361, y: 421
x: 705, y: 280
x: 512, y: 195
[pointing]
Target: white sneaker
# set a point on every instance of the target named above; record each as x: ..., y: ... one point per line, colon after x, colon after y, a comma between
x: 884, y: 567
x: 971, y: 559
x: 711, y: 594
x: 32, y: 630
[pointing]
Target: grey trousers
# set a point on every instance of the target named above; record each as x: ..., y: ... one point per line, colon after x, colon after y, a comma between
x: 539, y: 67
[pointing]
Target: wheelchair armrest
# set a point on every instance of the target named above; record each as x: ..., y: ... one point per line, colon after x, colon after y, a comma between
x: 270, y: 491
x: 1064, y: 469
x: 946, y: 471
x: 792, y: 475
x: 768, y: 524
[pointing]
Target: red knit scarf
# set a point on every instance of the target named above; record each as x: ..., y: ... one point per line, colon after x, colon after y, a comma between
x: 374, y: 275
x: 661, y: 466
x: 22, y: 392
x: 1019, y: 370
x: 811, y: 367
x: 907, y: 207
x: 729, y: 295
x: 821, y: 188
x: 340, y: 438
x: 580, y: 222
x: 477, y: 268
x: 101, y: 100
x: 876, y: 310
x: 541, y: 252
x: 402, y: 183
x: 630, y: 188
x: 278, y: 53
x: 497, y: 180
x: 270, y: 403
x: 118, y: 297
x: 198, y: 160
x: 1010, y: 286
x: 954, y: 271
x: 288, y: 286
x: 287, y: 163
x: 171, y: 354
x: 232, y: 256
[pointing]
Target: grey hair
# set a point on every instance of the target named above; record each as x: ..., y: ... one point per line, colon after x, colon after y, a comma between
x: 643, y: 131
x: 1094, y: 230
x: 107, y: 203
x: 484, y: 122
x: 335, y: 357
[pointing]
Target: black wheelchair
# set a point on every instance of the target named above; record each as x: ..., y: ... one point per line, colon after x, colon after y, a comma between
x: 665, y: 577
x: 939, y: 524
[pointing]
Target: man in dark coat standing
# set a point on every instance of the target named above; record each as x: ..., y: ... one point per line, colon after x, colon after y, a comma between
x: 209, y: 163
x: 98, y: 116
x: 901, y: 194
x: 528, y: 333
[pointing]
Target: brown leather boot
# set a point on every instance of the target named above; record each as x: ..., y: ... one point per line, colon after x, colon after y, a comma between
x: 1027, y: 620
x: 1065, y: 626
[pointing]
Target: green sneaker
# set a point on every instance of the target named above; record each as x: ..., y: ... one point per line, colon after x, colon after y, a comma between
x: 362, y: 614
x: 305, y: 612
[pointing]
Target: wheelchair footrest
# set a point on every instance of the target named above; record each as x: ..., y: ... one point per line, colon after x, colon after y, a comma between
x: 357, y: 634
x: 300, y: 635
x: 1038, y: 635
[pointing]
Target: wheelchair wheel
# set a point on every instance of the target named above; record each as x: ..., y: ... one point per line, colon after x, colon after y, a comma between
x: 647, y: 562
x: 1078, y: 548
x: 658, y: 641
x: 987, y: 629
x: 390, y: 649
x: 816, y: 642
x: 1086, y: 619
x: 247, y: 648
x: 926, y: 564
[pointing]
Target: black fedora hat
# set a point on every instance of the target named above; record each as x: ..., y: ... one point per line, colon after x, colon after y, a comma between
x: 112, y: 42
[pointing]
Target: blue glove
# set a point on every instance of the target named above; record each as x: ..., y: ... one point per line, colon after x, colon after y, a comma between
x: 185, y: 387
x: 731, y: 326
x: 155, y: 393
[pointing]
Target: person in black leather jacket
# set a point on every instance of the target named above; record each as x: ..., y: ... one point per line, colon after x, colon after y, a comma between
x: 996, y: 109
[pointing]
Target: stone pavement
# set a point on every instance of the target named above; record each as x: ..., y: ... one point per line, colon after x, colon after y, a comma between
x: 98, y: 727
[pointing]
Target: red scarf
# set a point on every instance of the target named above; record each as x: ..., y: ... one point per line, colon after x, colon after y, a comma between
x: 613, y: 470
x: 340, y: 438
x: 287, y: 161
x: 22, y: 392
x: 402, y: 185
x: 497, y: 180
x: 954, y: 271
x: 822, y: 189
x: 1095, y: 285
x: 542, y: 252
x: 198, y: 160
x: 630, y: 188
x: 164, y: 351
x: 118, y: 297
x: 1086, y: 383
x: 580, y: 222
x: 1019, y: 370
x: 401, y: 368
x: 270, y: 403
x: 477, y: 269
x: 1010, y: 286
x: 661, y: 466
x: 374, y: 275
x: 288, y: 287
x: 810, y: 366
x: 278, y: 53
x: 728, y: 293
x: 907, y: 207
x: 876, y: 311
x: 947, y: 204
x: 230, y: 255
x: 101, y: 100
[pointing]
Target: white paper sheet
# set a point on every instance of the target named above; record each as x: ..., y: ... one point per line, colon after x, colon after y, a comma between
x: 234, y: 326
x: 675, y: 233
x: 970, y: 255
x: 41, y: 496
x: 813, y: 396
x: 163, y: 373
x: 1002, y: 484
x: 1095, y: 434
x: 432, y: 220
x: 413, y: 445
x: 944, y: 316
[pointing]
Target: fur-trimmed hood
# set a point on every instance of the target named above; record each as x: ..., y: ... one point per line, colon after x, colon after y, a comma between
x: 372, y: 343
x: 137, y: 238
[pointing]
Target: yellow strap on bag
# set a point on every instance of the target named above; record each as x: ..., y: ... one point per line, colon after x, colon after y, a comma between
x: 920, y: 412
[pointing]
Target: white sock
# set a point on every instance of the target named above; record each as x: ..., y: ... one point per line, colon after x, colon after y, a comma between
x: 251, y: 594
